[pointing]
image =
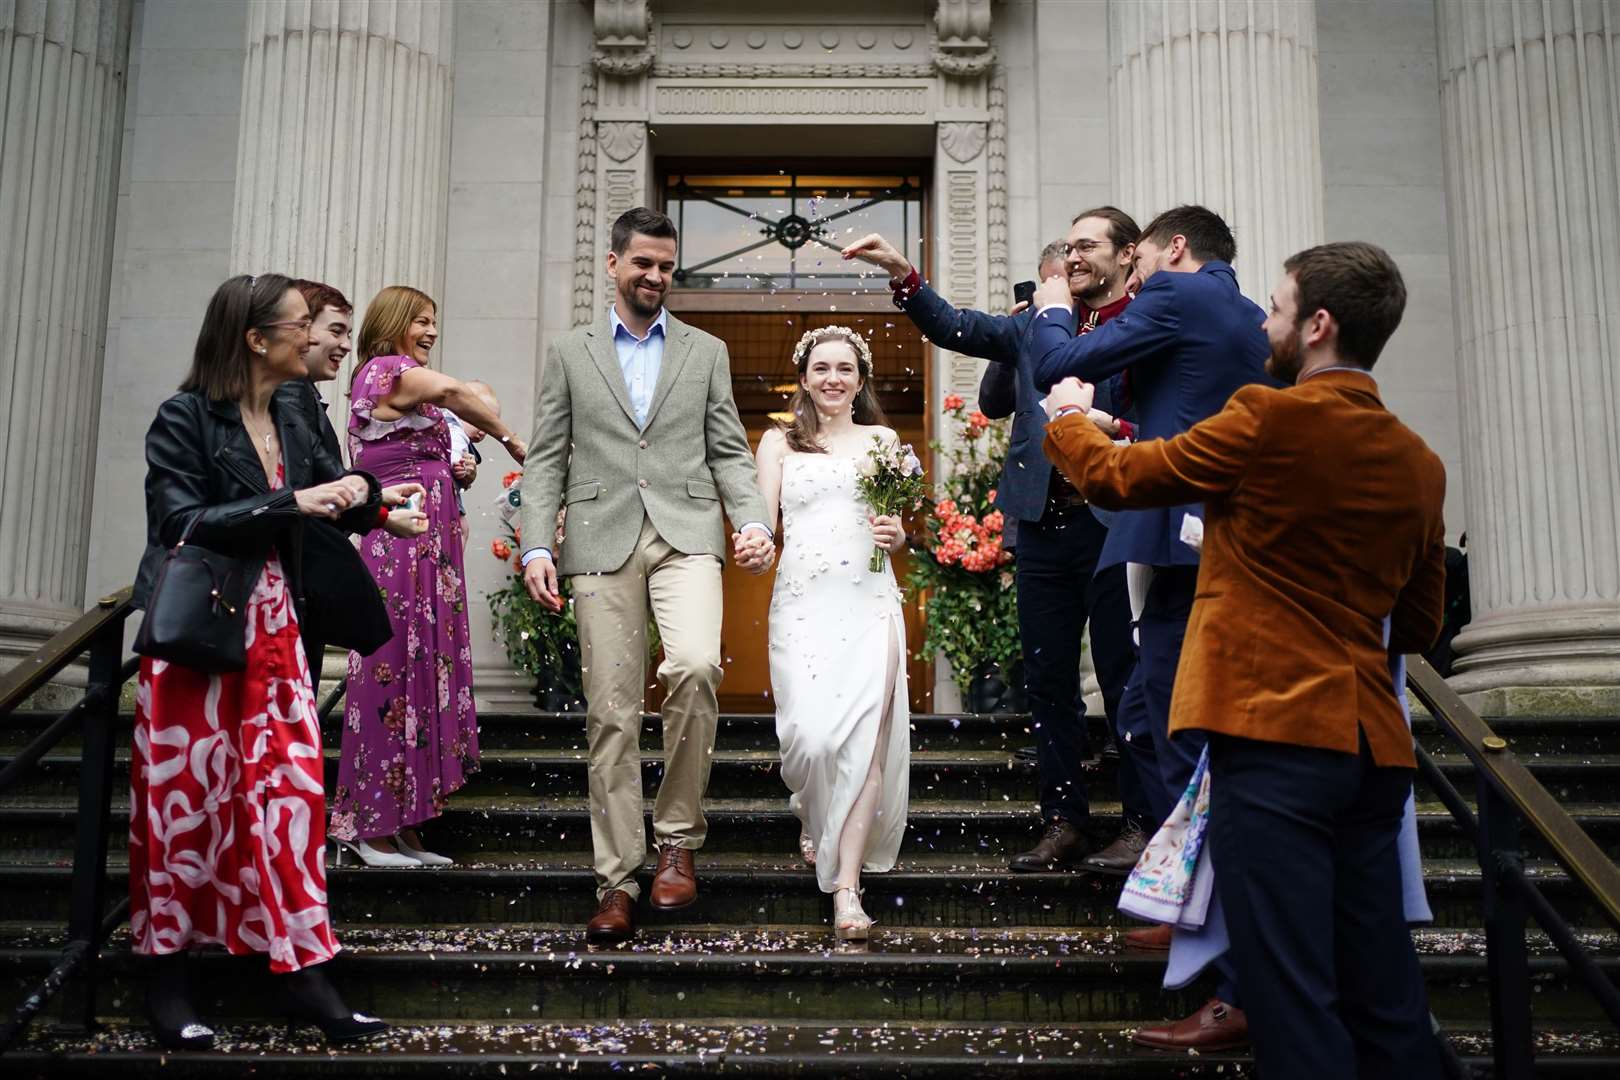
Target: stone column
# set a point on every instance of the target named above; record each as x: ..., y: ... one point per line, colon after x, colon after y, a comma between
x: 343, y: 163
x: 62, y: 83
x: 1214, y: 102
x: 1530, y: 94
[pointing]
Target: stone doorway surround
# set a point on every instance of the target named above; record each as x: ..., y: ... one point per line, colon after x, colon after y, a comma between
x: 659, y: 66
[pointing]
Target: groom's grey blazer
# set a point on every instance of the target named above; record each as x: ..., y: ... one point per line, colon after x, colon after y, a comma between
x: 588, y: 453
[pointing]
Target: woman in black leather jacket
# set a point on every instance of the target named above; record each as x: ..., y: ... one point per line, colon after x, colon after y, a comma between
x: 228, y: 802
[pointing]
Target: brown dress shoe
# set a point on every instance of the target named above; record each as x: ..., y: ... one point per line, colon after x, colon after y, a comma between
x: 1216, y: 1026
x: 1151, y: 938
x: 614, y: 921
x: 675, y: 882
x: 1119, y: 857
x: 1060, y: 847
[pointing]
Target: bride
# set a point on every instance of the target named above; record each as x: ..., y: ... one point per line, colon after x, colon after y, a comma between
x: 837, y: 641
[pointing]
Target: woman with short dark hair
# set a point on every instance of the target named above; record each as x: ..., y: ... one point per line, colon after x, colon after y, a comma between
x: 227, y: 801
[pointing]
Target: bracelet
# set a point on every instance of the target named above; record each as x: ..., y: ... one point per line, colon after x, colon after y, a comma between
x: 1066, y: 410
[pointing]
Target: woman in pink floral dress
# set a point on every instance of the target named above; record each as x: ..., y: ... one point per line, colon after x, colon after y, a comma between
x: 410, y: 734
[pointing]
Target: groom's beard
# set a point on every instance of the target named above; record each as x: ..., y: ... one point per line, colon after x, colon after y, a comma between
x: 633, y: 298
x: 1286, y: 358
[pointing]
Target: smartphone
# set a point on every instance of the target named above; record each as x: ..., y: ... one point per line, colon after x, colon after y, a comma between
x: 1024, y: 292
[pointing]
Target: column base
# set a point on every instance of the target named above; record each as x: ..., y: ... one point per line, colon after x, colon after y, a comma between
x: 1569, y: 646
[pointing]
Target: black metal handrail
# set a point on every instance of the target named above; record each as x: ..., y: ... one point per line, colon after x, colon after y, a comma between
x: 1509, y: 798
x: 100, y: 633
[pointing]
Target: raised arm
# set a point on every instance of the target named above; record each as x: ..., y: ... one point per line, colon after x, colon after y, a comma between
x: 1207, y: 460
x: 1141, y: 334
x: 417, y: 385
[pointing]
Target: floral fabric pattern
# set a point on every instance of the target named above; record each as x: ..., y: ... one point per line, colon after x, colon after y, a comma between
x: 227, y: 799
x: 410, y: 733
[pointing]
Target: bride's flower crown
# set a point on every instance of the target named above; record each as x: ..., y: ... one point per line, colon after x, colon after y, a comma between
x: 812, y: 338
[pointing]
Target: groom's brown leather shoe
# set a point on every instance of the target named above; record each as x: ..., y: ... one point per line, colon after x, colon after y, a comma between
x: 675, y: 882
x: 614, y: 921
x: 1216, y: 1026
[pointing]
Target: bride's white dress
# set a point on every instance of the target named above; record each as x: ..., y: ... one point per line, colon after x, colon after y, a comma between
x: 836, y: 631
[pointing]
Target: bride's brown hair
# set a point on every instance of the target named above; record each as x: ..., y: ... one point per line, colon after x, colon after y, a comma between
x: 803, y: 431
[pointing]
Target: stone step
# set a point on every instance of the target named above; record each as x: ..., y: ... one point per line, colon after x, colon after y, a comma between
x: 510, y: 824
x: 956, y: 775
x: 545, y: 975
x: 1570, y: 735
x: 744, y: 891
x: 944, y: 1051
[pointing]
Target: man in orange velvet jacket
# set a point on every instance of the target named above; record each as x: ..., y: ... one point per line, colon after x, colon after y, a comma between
x: 1322, y: 521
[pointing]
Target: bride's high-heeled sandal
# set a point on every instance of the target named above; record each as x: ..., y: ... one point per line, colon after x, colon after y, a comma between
x: 807, y: 849
x: 850, y: 920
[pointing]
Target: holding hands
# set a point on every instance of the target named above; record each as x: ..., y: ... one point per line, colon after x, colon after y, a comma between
x: 887, y: 532
x: 753, y: 549
x: 403, y: 520
x: 465, y: 470
x: 1069, y: 392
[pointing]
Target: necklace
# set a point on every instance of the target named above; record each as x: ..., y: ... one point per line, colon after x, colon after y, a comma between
x: 266, y: 459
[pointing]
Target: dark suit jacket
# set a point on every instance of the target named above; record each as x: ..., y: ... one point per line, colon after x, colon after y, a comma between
x: 1189, y: 341
x: 302, y: 393
x: 1323, y: 516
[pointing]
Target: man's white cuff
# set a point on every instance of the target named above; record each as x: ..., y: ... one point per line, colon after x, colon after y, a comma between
x: 1054, y: 307
x: 760, y: 525
x: 534, y: 553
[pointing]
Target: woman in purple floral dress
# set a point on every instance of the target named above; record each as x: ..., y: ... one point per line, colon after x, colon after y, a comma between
x: 410, y: 734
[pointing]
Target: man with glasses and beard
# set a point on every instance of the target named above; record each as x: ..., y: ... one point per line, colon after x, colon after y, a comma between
x: 1059, y: 539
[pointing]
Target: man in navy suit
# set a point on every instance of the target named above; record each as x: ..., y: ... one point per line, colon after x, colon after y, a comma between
x: 1058, y: 537
x: 1188, y: 341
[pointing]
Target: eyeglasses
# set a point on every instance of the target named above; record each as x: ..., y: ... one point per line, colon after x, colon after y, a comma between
x: 1084, y: 247
x: 298, y: 324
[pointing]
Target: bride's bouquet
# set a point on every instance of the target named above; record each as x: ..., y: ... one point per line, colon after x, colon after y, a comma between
x: 890, y: 480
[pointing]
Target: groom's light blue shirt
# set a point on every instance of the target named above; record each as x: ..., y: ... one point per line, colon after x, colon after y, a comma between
x: 640, y: 359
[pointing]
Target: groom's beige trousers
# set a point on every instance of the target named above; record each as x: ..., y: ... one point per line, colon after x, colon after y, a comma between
x: 683, y: 592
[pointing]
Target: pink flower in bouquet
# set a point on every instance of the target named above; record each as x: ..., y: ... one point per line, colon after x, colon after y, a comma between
x: 500, y: 549
x: 945, y: 508
x: 978, y: 423
x: 991, y: 498
x: 511, y: 478
x: 994, y: 522
x: 953, y: 402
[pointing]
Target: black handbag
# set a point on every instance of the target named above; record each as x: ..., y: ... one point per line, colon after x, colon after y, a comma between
x: 197, y: 614
x: 342, y: 604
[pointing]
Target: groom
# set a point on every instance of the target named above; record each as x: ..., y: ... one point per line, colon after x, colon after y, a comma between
x: 637, y: 435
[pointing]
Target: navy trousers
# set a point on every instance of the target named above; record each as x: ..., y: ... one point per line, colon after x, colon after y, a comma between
x: 1303, y: 842
x: 1113, y: 655
x: 1057, y: 557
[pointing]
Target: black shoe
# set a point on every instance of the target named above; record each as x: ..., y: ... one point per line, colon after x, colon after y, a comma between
x: 1061, y: 847
x: 170, y: 1009
x: 312, y: 999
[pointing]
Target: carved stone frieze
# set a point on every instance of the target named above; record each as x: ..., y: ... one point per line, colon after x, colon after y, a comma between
x: 811, y: 99
x: 621, y: 139
x: 726, y: 69
x: 962, y: 240
x: 962, y: 140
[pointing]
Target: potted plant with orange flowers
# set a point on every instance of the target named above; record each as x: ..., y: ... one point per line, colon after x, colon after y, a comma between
x: 970, y: 611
